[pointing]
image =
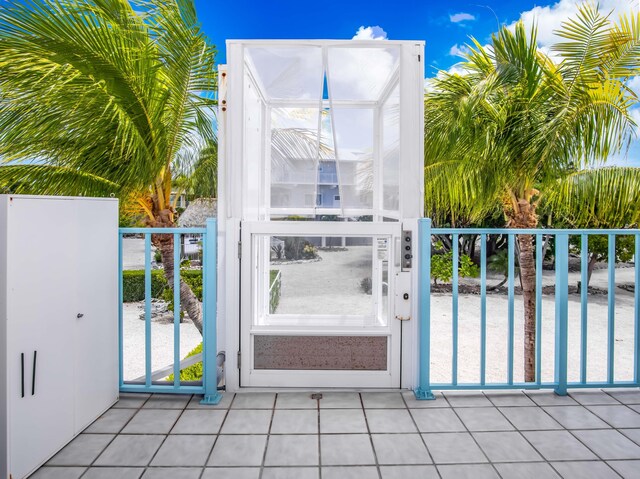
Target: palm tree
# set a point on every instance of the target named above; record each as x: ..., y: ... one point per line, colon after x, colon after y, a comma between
x: 102, y: 97
x: 518, y: 121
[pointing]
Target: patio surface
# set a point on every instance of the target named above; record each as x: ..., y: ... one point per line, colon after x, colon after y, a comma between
x: 589, y: 434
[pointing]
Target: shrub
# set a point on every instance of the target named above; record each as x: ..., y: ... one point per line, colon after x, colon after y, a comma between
x: 193, y: 372
x: 366, y: 285
x: 278, y: 250
x: 309, y: 251
x: 193, y: 277
x: 133, y: 285
x: 442, y: 266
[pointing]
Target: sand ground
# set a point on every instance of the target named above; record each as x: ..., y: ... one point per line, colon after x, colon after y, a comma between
x: 161, y: 341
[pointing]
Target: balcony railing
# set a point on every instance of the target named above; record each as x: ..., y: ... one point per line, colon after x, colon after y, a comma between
x: 149, y: 382
x: 560, y: 383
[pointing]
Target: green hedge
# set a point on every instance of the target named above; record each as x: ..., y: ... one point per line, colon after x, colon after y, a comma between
x: 133, y: 284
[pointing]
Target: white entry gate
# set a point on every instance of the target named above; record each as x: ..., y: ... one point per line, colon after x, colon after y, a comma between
x: 320, y: 186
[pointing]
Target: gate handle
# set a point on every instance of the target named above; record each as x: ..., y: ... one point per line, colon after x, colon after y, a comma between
x: 22, y: 374
x: 33, y: 374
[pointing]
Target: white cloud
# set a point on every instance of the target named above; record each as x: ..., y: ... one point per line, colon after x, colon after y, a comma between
x: 458, y: 50
x: 634, y: 84
x: 461, y: 17
x: 550, y: 18
x: 370, y: 33
x: 635, y: 114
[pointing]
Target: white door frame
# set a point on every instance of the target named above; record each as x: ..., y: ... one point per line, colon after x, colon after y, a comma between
x: 250, y: 377
x: 240, y: 191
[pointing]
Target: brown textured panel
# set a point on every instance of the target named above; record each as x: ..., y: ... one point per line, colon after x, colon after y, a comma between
x: 321, y: 352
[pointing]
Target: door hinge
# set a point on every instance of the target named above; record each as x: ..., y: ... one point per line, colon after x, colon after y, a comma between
x: 419, y: 56
x: 239, y: 249
x: 239, y: 356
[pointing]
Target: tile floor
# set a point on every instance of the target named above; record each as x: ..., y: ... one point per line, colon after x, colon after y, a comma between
x: 588, y: 434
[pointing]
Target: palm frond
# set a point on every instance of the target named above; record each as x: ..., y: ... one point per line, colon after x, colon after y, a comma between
x: 112, y: 89
x: 53, y: 180
x: 596, y: 198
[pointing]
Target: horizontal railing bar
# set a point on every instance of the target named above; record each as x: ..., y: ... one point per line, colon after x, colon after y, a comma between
x: 521, y: 231
x: 479, y: 387
x: 161, y: 382
x: 124, y: 231
x: 526, y: 386
x: 625, y: 384
x: 169, y: 389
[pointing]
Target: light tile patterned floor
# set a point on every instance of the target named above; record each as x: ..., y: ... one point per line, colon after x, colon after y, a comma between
x: 589, y: 434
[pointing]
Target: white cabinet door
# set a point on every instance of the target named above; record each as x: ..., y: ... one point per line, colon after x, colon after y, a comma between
x: 41, y: 283
x: 96, y: 331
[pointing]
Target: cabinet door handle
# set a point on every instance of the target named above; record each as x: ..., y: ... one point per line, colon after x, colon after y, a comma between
x: 33, y: 374
x: 22, y: 374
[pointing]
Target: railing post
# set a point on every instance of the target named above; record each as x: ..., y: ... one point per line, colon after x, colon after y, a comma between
x: 147, y: 309
x: 562, y: 312
x: 120, y: 314
x: 424, y: 289
x: 636, y: 301
x: 209, y: 314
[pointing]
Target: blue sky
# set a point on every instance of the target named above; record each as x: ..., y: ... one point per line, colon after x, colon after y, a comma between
x: 445, y: 26
x: 402, y: 20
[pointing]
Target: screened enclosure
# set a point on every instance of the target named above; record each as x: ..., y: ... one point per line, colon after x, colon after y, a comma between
x: 326, y: 135
x: 322, y: 129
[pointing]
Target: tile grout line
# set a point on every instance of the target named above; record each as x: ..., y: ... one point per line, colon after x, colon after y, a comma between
x: 537, y: 406
x: 420, y: 433
x: 549, y: 462
x: 166, y: 436
x: 373, y: 449
x: 226, y: 413
x: 472, y: 436
x: 117, y: 434
x: 266, y: 445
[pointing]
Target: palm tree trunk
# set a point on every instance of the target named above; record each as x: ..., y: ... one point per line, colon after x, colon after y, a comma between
x: 593, y: 259
x: 188, y: 300
x: 528, y: 278
x: 524, y: 216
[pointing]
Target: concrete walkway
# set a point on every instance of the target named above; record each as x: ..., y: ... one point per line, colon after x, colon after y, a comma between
x: 589, y: 434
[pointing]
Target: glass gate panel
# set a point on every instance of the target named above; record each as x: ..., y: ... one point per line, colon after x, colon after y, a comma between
x: 304, y: 283
x: 322, y: 301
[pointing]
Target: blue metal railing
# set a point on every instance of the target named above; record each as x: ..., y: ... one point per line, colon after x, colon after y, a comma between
x: 561, y: 367
x: 209, y: 299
